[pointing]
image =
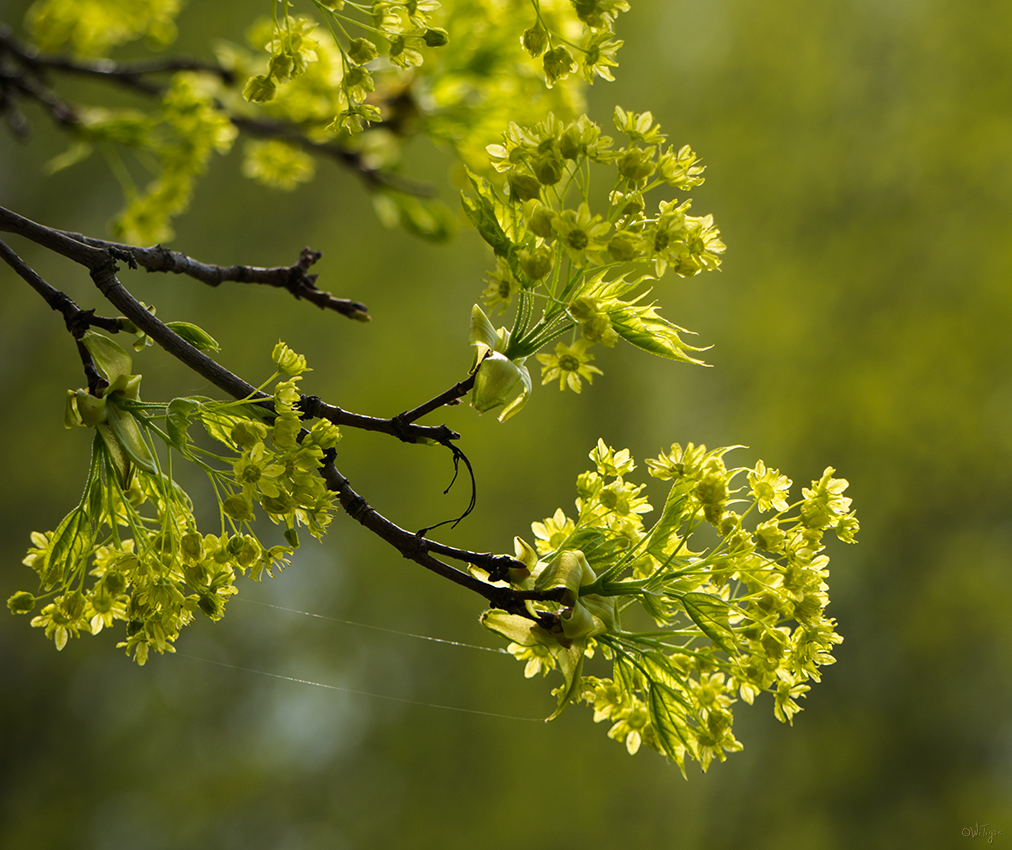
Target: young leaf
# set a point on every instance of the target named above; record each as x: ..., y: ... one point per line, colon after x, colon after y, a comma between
x: 645, y: 329
x: 71, y: 543
x: 669, y: 724
x: 710, y: 613
x: 196, y: 336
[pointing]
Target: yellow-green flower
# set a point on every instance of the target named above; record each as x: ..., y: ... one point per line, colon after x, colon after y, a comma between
x: 569, y: 364
x: 580, y: 233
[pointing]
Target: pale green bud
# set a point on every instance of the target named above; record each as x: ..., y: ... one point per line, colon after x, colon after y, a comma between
x: 558, y: 64
x: 436, y: 37
x: 534, y: 41
x: 361, y: 51
x: 535, y: 264
x: 21, y: 602
x: 524, y: 187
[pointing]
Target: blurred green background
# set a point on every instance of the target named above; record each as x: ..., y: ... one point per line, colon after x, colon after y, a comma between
x: 859, y: 161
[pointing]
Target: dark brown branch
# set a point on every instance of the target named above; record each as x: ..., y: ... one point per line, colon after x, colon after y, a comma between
x: 450, y: 396
x: 61, y: 111
x: 129, y: 74
x: 417, y: 549
x: 29, y: 65
x: 77, y: 320
x: 269, y: 129
x: 314, y: 407
x: 294, y: 278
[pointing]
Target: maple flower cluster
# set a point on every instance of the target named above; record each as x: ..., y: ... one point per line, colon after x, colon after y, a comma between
x: 131, y: 550
x: 586, y: 270
x: 706, y: 628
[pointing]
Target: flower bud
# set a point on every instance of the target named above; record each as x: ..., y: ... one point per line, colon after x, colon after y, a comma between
x: 558, y: 64
x: 534, y: 41
x: 259, y: 89
x: 524, y: 187
x: 547, y: 168
x: 436, y: 37
x: 361, y: 51
x: 21, y: 602
x: 624, y: 246
x: 539, y: 222
x: 535, y: 264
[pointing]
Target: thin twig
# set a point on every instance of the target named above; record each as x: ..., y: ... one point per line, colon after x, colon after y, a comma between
x: 294, y: 278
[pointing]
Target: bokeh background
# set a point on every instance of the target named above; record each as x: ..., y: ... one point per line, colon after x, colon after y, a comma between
x: 859, y: 159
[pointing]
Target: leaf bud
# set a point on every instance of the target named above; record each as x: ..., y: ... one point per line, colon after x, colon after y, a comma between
x: 497, y: 377
x: 196, y: 336
x: 92, y: 410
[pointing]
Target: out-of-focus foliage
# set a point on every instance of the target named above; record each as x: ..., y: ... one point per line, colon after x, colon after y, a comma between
x: 858, y: 157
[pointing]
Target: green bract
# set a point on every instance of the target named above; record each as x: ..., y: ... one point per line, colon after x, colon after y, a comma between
x: 700, y: 629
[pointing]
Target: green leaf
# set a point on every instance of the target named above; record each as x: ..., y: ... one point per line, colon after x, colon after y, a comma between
x: 710, y: 613
x: 669, y: 724
x: 196, y: 336
x: 219, y: 426
x: 660, y: 670
x: 517, y: 404
x: 71, y: 543
x: 642, y: 327
x: 599, y: 546
x: 486, y: 212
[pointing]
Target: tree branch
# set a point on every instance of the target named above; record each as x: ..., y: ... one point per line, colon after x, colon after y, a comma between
x: 101, y: 263
x: 129, y: 74
x: 293, y: 278
x: 30, y: 64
